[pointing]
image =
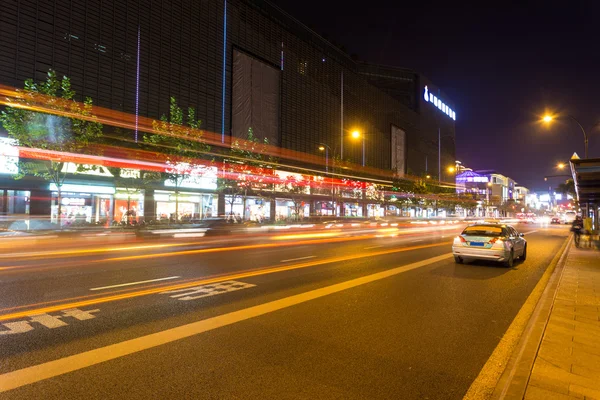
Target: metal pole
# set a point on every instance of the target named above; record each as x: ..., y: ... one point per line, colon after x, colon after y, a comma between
x: 326, y: 158
x: 439, y: 155
x: 585, y: 138
x: 342, y: 119
x: 363, y: 150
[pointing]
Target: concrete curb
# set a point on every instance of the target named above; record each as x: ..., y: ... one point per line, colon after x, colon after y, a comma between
x: 513, y: 381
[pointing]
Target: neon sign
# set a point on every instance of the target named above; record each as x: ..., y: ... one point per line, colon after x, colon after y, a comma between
x: 439, y: 104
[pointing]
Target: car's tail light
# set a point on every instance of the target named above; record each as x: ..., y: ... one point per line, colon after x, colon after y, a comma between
x: 459, y: 240
x: 497, y: 242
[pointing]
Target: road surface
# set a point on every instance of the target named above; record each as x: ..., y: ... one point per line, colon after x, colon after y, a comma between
x: 375, y: 316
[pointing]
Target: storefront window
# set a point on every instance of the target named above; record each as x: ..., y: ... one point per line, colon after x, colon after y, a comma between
x: 76, y: 208
x: 325, y: 208
x: 286, y: 210
x: 352, y: 210
x: 257, y: 209
x: 129, y: 206
x: 14, y: 202
x: 192, y: 206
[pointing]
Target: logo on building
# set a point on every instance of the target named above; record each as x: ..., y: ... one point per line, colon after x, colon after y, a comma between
x: 430, y: 98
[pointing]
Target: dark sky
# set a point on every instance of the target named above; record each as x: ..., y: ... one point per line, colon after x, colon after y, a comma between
x: 502, y: 67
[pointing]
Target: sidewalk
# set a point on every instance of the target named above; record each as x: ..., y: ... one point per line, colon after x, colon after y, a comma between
x: 567, y: 363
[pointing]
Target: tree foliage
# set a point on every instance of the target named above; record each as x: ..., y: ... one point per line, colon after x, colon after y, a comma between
x: 72, y: 128
x: 247, y: 170
x: 178, y: 137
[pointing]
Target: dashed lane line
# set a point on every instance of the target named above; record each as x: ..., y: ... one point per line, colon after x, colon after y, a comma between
x: 136, y: 283
x: 36, y: 373
x: 240, y: 275
x: 298, y: 259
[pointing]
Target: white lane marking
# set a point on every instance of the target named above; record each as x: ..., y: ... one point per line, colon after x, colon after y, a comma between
x: 208, y: 290
x: 299, y: 258
x: 36, y: 373
x: 527, y: 233
x: 135, y: 283
x: 373, y: 247
x: 46, y: 320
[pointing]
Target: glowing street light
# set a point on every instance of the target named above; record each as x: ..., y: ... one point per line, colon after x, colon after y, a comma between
x: 324, y: 147
x: 451, y: 169
x: 549, y: 118
x: 561, y: 165
x: 356, y: 135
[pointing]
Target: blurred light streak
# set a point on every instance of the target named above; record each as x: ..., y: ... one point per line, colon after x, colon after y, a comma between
x: 18, y: 98
x: 305, y: 236
x: 234, y: 276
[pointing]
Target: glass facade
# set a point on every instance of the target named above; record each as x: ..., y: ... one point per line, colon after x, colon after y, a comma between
x: 305, y: 90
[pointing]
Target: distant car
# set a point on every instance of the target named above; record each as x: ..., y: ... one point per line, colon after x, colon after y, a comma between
x: 496, y: 242
x: 569, y: 217
x: 556, y: 220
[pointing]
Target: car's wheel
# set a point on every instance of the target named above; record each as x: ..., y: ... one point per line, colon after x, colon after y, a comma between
x: 511, y: 260
x: 524, y: 255
x: 458, y: 260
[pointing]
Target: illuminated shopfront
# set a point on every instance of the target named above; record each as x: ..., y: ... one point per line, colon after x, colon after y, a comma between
x: 81, y: 203
x: 286, y: 210
x: 353, y: 210
x: 129, y: 205
x: 185, y: 206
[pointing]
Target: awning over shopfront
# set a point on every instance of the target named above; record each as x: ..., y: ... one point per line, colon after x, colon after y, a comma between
x: 586, y: 176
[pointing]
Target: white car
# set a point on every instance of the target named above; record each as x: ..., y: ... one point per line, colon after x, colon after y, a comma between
x: 496, y: 242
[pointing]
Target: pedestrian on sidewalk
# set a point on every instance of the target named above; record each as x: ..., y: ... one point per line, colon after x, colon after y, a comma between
x: 576, y: 228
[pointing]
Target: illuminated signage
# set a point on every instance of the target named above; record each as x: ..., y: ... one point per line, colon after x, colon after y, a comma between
x: 67, y: 187
x: 476, y: 179
x: 194, y: 177
x: 430, y: 98
x: 70, y: 201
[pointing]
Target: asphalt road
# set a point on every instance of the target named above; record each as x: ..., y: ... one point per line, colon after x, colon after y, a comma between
x: 299, y: 317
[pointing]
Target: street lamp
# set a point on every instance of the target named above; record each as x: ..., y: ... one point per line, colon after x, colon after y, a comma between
x: 326, y: 148
x: 549, y: 118
x: 357, y: 135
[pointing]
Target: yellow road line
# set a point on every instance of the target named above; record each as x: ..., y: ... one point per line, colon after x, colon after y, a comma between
x: 236, y: 248
x: 483, y: 386
x: 36, y: 373
x: 239, y: 275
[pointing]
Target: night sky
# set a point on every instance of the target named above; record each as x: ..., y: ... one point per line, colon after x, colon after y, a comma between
x: 502, y: 68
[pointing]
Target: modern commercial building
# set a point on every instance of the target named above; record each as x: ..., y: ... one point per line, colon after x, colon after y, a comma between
x: 491, y: 188
x: 240, y: 64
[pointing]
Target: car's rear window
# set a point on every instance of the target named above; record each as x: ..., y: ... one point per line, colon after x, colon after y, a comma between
x: 483, y: 231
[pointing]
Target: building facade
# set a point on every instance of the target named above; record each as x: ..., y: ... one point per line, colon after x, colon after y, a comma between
x: 240, y: 64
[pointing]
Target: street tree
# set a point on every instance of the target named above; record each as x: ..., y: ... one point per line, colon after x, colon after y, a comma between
x: 178, y: 136
x: 295, y: 187
x: 246, y: 171
x: 60, y: 131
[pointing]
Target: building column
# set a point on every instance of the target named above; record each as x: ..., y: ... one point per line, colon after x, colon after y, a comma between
x: 221, y: 205
x: 40, y: 203
x: 272, y: 210
x: 149, y: 206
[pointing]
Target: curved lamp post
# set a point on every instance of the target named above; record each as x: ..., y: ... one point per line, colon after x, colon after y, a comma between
x: 549, y: 118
